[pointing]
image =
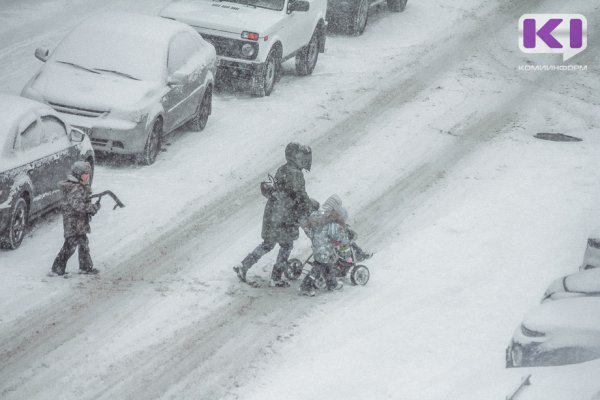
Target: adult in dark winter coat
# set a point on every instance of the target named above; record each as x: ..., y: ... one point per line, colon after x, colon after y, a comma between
x: 77, y: 210
x: 288, y: 203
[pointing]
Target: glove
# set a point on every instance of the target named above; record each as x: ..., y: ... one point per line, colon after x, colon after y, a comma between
x: 97, y: 204
x: 349, y: 260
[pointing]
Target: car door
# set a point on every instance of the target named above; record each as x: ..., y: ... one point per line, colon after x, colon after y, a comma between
x: 176, y: 102
x: 27, y: 148
x: 61, y: 154
x: 292, y: 29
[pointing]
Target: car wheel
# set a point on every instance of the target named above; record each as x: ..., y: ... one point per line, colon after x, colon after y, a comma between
x: 306, y: 59
x: 152, y: 145
x: 200, y: 119
x: 397, y: 5
x: 293, y: 270
x: 359, y: 19
x: 360, y: 275
x: 263, y: 83
x: 19, y: 217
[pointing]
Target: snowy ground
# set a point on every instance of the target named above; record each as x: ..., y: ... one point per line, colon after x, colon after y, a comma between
x: 423, y: 126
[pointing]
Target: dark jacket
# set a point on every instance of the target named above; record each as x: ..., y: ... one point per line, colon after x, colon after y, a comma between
x: 288, y: 203
x: 76, y: 207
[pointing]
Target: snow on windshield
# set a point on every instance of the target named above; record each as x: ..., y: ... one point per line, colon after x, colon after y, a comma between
x: 111, y: 50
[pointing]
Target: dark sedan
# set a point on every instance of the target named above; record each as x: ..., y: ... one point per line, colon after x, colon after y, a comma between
x: 37, y: 149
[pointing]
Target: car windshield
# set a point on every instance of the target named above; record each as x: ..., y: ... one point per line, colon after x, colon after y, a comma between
x: 268, y: 4
x: 105, y: 51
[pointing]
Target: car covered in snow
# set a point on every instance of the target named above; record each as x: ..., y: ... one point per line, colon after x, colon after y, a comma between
x: 582, y: 283
x: 37, y: 149
x: 559, y: 332
x: 253, y: 37
x: 127, y: 80
x: 351, y: 15
x: 591, y: 257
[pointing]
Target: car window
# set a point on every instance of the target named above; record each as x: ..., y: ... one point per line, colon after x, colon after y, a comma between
x: 183, y: 47
x: 30, y: 138
x: 54, y: 132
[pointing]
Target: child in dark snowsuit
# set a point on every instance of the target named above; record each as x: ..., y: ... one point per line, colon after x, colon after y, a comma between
x: 77, y: 210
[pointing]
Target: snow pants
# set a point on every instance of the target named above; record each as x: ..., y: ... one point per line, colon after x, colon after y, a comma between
x: 71, y: 244
x: 285, y: 249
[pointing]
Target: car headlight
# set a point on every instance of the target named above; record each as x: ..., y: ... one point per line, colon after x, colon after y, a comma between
x: 136, y: 116
x: 247, y: 50
x: 531, y: 333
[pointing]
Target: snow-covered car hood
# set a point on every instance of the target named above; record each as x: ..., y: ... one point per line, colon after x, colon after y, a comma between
x: 67, y: 85
x: 224, y: 16
x: 578, y: 315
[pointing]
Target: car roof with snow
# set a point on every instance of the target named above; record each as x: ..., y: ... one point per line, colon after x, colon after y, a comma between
x: 152, y: 28
x: 12, y: 111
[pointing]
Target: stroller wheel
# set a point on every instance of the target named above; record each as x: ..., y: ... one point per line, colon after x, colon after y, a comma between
x: 359, y: 275
x: 293, y: 269
x: 320, y: 283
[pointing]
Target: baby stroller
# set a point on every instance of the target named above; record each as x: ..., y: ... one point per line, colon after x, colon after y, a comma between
x: 358, y: 273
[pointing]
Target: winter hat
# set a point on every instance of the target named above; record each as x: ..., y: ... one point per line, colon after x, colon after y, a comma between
x: 79, y: 168
x: 332, y: 203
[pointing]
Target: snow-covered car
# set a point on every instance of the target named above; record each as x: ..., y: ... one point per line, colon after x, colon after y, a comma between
x: 127, y: 80
x: 37, y: 149
x: 558, y: 332
x: 253, y: 37
x: 582, y: 283
x: 591, y: 258
x: 351, y: 15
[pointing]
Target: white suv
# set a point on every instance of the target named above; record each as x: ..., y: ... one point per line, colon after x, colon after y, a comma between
x: 253, y: 37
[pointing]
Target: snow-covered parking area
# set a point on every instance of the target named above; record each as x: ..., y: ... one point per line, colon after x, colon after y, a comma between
x: 423, y: 126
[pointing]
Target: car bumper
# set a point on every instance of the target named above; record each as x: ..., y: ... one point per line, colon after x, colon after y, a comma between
x: 112, y: 135
x: 228, y: 67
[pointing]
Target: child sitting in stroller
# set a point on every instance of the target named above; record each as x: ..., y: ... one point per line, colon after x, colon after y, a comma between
x: 331, y: 239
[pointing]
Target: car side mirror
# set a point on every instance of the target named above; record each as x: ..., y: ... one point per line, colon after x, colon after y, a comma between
x: 76, y: 135
x: 298, y: 5
x: 42, y: 54
x: 175, y: 79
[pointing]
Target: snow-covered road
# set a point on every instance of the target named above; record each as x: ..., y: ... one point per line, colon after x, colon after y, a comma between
x: 423, y: 128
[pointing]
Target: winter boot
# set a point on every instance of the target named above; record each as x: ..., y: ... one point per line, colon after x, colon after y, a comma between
x: 241, y: 272
x: 336, y: 286
x: 307, y: 292
x: 89, y: 271
x: 279, y: 283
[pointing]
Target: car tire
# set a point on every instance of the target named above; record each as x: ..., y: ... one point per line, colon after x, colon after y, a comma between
x: 360, y: 275
x: 358, y: 21
x: 307, y: 57
x: 198, y: 122
x: 264, y: 82
x: 152, y: 147
x: 397, y: 5
x: 19, y: 219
